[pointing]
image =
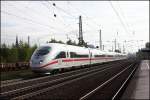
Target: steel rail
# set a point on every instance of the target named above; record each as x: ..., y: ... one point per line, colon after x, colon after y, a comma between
x: 127, y: 79
x: 103, y: 84
x: 46, y: 78
x: 40, y: 92
x: 10, y: 81
x: 60, y: 80
x: 27, y: 96
x: 50, y: 83
x: 33, y: 94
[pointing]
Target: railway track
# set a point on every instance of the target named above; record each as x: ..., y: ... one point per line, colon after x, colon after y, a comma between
x: 116, y: 84
x: 18, y: 83
x: 50, y: 85
x: 77, y: 88
x: 10, y: 81
x: 5, y: 67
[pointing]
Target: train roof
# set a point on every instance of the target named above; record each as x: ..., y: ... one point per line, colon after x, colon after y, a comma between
x: 58, y: 47
x: 72, y: 47
x: 62, y: 45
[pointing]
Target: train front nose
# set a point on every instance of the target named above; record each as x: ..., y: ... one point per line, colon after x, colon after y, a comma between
x: 36, y: 65
x: 36, y: 62
x: 38, y: 59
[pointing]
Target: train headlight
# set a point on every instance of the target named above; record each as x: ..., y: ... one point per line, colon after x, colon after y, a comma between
x: 41, y: 61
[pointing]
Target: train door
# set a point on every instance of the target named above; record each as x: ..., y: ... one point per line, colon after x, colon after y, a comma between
x: 59, y: 62
x: 66, y: 61
x: 90, y: 56
x: 60, y: 58
x: 66, y: 58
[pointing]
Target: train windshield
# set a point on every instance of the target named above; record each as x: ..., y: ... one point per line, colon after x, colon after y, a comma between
x: 43, y: 50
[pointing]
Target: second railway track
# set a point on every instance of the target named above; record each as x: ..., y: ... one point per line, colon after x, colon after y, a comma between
x: 60, y: 86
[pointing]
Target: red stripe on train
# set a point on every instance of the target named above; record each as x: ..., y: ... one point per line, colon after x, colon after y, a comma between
x: 70, y: 60
x: 53, y: 62
x: 74, y: 59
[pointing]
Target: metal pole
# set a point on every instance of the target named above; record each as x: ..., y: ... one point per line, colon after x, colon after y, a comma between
x: 100, y: 40
x: 28, y: 41
x: 115, y: 44
x: 80, y: 31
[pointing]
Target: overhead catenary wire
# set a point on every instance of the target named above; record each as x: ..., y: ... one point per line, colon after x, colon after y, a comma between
x: 59, y: 15
x: 24, y: 18
x: 22, y: 11
x: 30, y: 20
x: 49, y: 10
x: 57, y: 18
x: 86, y: 23
x: 37, y: 13
x: 27, y: 9
x: 61, y: 18
x: 95, y: 23
x: 126, y: 22
x: 44, y: 4
x: 75, y: 18
x: 53, y: 28
x: 64, y: 11
x: 120, y: 19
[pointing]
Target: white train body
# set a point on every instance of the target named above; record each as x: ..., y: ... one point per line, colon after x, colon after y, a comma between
x: 59, y: 56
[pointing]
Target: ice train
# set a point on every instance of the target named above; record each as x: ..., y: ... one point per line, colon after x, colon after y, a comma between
x: 55, y: 56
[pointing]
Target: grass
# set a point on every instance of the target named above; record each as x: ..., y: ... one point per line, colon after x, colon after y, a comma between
x: 23, y: 74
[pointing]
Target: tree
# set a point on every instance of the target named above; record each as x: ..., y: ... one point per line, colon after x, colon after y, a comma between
x: 13, y: 55
x: 117, y: 51
x: 147, y: 45
x: 4, y: 53
x: 83, y: 44
x: 55, y: 41
x: 20, y: 53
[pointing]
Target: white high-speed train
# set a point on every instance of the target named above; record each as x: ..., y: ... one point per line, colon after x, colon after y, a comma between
x: 55, y: 56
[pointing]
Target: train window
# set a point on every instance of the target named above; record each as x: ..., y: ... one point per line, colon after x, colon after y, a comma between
x: 82, y: 56
x: 72, y: 54
x: 61, y: 55
x: 43, y: 50
x: 109, y: 55
x: 67, y: 54
x: 99, y: 55
x: 75, y: 55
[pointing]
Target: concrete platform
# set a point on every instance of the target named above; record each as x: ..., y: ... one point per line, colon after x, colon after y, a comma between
x: 138, y: 87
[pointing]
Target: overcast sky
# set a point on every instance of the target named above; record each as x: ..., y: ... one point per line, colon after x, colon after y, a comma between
x: 36, y: 19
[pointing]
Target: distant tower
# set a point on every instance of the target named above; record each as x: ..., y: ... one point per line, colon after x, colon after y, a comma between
x: 17, y: 45
x: 100, y: 40
x: 123, y: 49
x: 29, y: 41
x: 115, y: 44
x: 80, y: 32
